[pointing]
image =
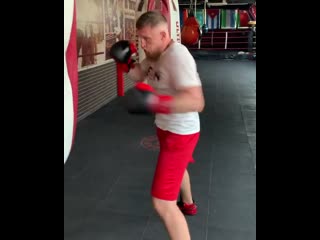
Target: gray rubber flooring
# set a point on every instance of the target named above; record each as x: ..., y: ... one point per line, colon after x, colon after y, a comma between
x: 108, y: 175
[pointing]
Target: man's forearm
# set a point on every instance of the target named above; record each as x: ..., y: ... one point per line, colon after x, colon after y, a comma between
x: 145, y: 100
x: 186, y: 102
x: 136, y: 74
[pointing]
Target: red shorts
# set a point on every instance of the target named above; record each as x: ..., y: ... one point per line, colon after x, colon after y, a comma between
x: 175, y: 154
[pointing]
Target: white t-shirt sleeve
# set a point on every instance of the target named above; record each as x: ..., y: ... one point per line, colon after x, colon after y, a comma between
x: 183, y: 69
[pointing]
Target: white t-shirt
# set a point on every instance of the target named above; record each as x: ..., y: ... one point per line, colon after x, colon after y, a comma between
x: 175, y: 69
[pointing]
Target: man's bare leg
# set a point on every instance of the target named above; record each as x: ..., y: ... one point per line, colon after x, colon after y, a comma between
x: 185, y: 189
x: 173, y: 219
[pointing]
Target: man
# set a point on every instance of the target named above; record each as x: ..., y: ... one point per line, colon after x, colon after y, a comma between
x: 174, y: 93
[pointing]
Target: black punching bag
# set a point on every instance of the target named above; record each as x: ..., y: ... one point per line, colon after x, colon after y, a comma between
x: 204, y: 29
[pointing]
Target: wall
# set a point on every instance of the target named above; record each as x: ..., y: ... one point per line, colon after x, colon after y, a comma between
x: 100, y: 23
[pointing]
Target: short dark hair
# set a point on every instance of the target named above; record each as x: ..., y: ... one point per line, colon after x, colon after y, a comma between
x: 150, y: 18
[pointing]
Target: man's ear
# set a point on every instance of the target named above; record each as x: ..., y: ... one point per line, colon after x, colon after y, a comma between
x: 163, y: 35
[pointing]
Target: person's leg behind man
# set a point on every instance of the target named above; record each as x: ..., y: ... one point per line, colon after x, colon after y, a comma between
x: 186, y: 203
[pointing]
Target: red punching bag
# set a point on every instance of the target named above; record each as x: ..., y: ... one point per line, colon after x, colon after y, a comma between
x: 190, y: 32
x: 244, y: 18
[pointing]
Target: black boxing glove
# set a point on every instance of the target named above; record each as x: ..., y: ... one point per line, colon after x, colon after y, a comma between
x: 145, y: 100
x: 122, y: 52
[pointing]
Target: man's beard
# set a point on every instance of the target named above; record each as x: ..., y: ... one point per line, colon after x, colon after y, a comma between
x: 153, y: 56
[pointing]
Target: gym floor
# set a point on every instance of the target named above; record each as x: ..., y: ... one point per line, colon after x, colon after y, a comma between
x: 108, y: 175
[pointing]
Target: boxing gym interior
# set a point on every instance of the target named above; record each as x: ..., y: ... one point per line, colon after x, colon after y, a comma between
x: 109, y: 169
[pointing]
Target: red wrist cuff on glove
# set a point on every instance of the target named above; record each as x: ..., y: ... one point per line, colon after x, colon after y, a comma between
x: 163, y: 104
x: 125, y: 67
x: 144, y: 87
x: 133, y: 48
x: 157, y: 103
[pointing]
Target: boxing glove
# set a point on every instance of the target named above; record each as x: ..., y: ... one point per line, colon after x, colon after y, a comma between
x: 122, y: 52
x: 145, y: 100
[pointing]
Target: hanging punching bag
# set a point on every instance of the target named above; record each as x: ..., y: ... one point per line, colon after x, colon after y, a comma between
x: 190, y: 33
x: 205, y: 29
x: 244, y: 18
x: 70, y: 76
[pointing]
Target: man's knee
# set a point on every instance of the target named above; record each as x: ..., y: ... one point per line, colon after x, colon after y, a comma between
x: 159, y: 205
x: 163, y: 207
